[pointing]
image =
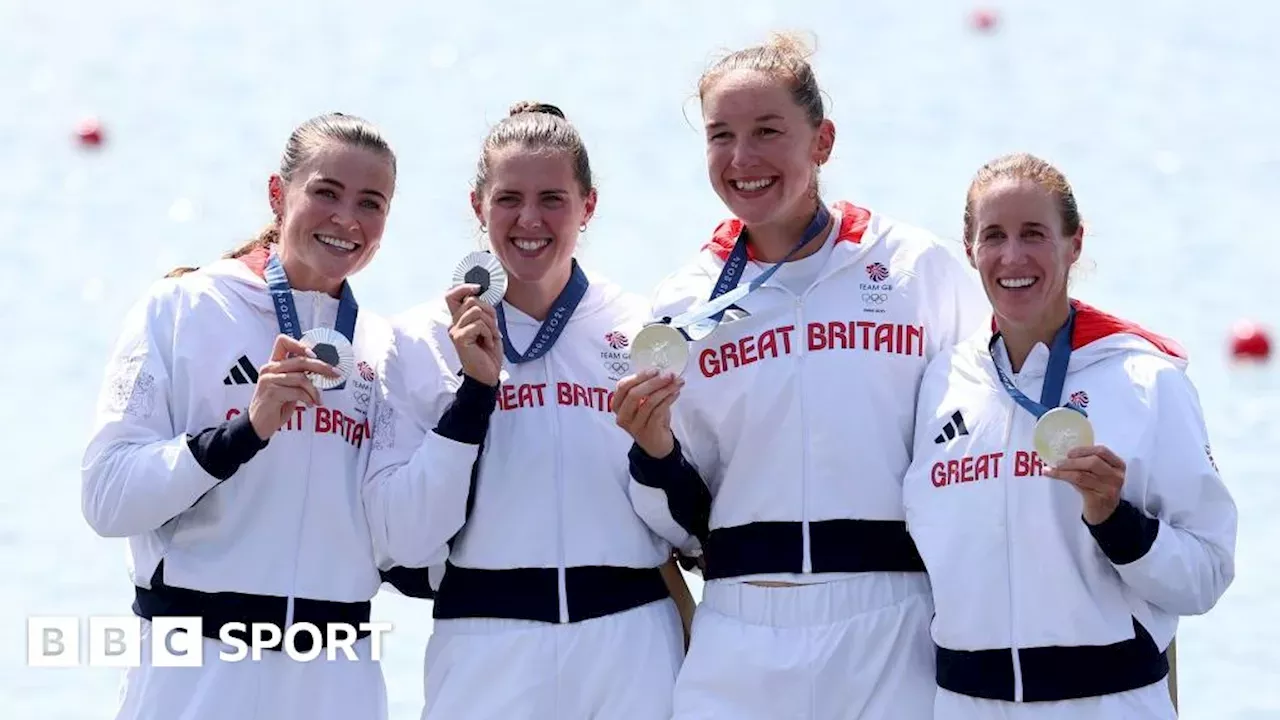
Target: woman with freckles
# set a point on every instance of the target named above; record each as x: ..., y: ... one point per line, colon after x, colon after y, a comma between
x: 780, y: 464
x: 1062, y: 493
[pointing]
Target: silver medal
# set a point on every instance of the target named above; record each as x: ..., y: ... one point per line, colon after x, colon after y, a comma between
x: 334, y: 349
x: 1059, y: 431
x: 483, y: 269
x: 659, y: 347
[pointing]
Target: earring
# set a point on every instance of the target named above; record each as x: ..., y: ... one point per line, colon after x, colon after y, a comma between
x: 484, y: 229
x: 582, y: 227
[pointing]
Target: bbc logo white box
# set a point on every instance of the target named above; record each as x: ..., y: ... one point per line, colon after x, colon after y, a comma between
x: 53, y: 641
x: 115, y: 641
x: 177, y: 642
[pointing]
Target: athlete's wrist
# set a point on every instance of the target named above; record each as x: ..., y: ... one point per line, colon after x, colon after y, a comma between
x: 1097, y: 512
x: 659, y: 448
x: 480, y: 377
x: 258, y: 431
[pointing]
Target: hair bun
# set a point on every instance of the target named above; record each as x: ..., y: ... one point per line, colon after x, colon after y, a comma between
x: 791, y: 44
x: 529, y: 106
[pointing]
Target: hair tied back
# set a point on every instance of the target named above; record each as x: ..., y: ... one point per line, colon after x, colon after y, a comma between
x: 529, y: 106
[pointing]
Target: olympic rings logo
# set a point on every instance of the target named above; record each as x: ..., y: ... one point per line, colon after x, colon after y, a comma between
x: 362, y: 398
x: 617, y: 367
x: 875, y: 298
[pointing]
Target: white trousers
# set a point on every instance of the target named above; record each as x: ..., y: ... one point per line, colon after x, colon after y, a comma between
x: 275, y: 687
x: 1147, y: 703
x: 840, y: 650
x: 617, y: 667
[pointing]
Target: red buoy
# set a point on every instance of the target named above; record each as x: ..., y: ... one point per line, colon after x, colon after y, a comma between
x: 1250, y: 341
x: 89, y: 132
x: 984, y: 20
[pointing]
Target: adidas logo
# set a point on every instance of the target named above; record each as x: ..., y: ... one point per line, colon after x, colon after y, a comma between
x: 242, y: 373
x: 953, y: 428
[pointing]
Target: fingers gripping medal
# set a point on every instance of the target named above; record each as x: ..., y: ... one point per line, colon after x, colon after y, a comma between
x: 483, y: 269
x: 659, y: 347
x: 333, y: 348
x: 1059, y: 431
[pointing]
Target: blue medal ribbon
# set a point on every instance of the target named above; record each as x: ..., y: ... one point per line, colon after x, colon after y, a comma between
x: 727, y: 293
x: 1055, y: 375
x: 566, y: 302
x: 287, y: 312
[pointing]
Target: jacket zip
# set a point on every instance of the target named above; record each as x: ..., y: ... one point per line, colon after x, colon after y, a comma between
x: 306, y: 487
x: 1009, y: 514
x: 826, y: 271
x: 807, y: 565
x: 559, y: 502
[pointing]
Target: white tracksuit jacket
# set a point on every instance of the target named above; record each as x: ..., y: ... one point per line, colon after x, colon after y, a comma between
x: 799, y: 417
x: 289, y: 522
x: 1031, y: 603
x: 550, y: 491
x: 281, y: 538
x: 548, y: 598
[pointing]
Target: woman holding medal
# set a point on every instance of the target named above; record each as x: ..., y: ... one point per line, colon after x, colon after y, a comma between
x: 1064, y: 537
x: 229, y: 446
x: 799, y: 335
x: 553, y: 602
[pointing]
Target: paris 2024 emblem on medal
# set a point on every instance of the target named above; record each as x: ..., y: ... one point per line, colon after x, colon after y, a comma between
x: 483, y: 269
x: 334, y: 349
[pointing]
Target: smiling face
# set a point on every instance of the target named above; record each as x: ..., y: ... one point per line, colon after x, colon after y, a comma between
x: 1021, y: 253
x: 332, y: 213
x: 533, y: 205
x: 762, y: 149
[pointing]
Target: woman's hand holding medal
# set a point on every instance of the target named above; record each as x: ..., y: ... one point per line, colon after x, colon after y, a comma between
x: 475, y: 334
x: 642, y: 406
x: 283, y: 385
x: 1098, y: 473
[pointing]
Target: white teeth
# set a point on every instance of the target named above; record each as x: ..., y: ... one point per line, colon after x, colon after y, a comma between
x: 753, y: 185
x: 531, y: 245
x: 336, y: 242
x: 1015, y: 283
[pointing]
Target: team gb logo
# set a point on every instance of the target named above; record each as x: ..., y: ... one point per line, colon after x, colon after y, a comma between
x: 616, y: 360
x: 877, y: 272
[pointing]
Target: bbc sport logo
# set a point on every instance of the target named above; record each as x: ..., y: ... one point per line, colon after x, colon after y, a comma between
x: 116, y: 641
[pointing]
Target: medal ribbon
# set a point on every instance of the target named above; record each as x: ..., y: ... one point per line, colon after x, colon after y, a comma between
x: 287, y: 313
x: 557, y: 319
x: 727, y: 293
x: 1055, y: 375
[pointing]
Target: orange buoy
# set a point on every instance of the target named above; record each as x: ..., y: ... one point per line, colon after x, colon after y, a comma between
x: 89, y: 132
x: 984, y: 20
x: 1250, y: 341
